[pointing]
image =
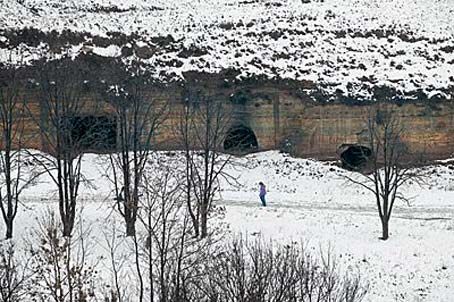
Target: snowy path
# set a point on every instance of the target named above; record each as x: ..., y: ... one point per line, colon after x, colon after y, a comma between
x: 400, y: 212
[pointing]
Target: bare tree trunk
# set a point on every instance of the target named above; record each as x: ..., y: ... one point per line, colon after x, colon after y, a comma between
x: 9, y: 228
x: 204, y: 220
x: 68, y: 267
x: 385, y: 228
x: 138, y: 270
x: 130, y: 227
x: 67, y: 228
x: 189, y: 176
x: 11, y: 208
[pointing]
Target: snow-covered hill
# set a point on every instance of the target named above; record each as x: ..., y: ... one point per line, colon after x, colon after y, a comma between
x: 346, y: 46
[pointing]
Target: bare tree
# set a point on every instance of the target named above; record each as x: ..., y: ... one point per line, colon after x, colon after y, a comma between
x: 138, y: 116
x: 165, y: 256
x: 170, y: 253
x: 11, y: 131
x: 390, y: 165
x: 15, y: 274
x: 127, y: 194
x: 185, y: 134
x: 204, y: 124
x: 118, y: 290
x: 64, y: 98
x: 12, y: 115
x: 63, y: 269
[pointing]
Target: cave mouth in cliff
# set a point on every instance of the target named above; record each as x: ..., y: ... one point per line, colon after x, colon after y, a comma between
x: 94, y: 133
x: 355, y: 157
x: 240, y: 139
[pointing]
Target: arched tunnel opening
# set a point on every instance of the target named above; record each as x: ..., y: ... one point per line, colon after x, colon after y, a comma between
x: 240, y: 138
x: 355, y: 157
x: 94, y: 133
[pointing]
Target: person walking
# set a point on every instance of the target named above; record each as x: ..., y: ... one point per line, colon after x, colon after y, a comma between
x: 262, y: 193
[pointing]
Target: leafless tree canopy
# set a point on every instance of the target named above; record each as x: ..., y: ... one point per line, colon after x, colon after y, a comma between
x: 391, y: 165
x: 12, y: 123
x: 204, y: 125
x: 138, y: 115
x: 63, y: 94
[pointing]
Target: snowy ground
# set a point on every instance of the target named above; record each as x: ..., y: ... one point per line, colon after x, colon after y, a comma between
x: 309, y: 201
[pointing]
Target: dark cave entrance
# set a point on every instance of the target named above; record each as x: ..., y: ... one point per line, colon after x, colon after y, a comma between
x: 240, y: 139
x: 355, y: 157
x: 94, y: 133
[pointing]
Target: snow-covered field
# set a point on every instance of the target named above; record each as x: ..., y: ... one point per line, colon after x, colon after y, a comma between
x: 349, y: 46
x: 310, y: 201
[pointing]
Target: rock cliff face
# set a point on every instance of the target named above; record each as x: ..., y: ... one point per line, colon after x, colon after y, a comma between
x: 318, y: 131
x: 284, y: 115
x: 281, y: 119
